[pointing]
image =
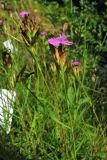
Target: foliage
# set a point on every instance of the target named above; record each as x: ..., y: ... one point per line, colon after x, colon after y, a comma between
x: 60, y: 109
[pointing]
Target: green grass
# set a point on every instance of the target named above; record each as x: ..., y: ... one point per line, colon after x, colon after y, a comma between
x: 57, y: 113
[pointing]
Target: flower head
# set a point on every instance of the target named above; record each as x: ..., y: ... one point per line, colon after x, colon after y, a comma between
x: 76, y: 63
x: 43, y: 33
x: 61, y: 40
x: 75, y: 66
x: 24, y: 14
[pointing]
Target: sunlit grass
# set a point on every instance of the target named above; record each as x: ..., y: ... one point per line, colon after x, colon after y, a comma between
x: 55, y: 114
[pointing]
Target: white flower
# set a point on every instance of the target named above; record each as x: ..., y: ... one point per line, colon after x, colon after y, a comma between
x: 8, y: 45
x: 7, y: 99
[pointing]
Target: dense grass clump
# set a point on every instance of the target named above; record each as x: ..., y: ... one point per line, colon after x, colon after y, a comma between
x: 52, y: 59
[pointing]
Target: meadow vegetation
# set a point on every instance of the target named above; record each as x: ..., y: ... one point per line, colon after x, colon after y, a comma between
x: 56, y: 62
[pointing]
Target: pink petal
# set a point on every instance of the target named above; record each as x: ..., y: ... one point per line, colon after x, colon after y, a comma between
x: 24, y: 13
x: 43, y: 33
x: 63, y: 40
x: 66, y: 43
x: 54, y: 41
x: 76, y: 63
x: 62, y: 37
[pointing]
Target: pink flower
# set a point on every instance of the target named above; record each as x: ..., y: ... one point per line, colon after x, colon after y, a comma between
x: 76, y: 63
x: 61, y: 40
x: 43, y: 33
x: 24, y: 14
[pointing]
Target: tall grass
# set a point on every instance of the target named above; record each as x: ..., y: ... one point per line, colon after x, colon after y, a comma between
x: 55, y: 115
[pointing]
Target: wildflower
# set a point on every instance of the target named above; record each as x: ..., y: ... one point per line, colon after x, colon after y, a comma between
x: 57, y: 50
x: 8, y: 45
x: 61, y: 40
x: 7, y: 99
x: 43, y: 33
x: 75, y: 65
x: 24, y: 14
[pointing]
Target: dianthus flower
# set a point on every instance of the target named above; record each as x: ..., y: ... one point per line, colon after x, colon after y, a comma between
x: 23, y: 14
x: 76, y: 63
x: 43, y: 33
x: 61, y: 40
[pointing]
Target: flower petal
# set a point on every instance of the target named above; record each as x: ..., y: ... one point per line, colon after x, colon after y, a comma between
x: 24, y: 13
x: 76, y: 63
x: 67, y: 43
x: 54, y: 41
